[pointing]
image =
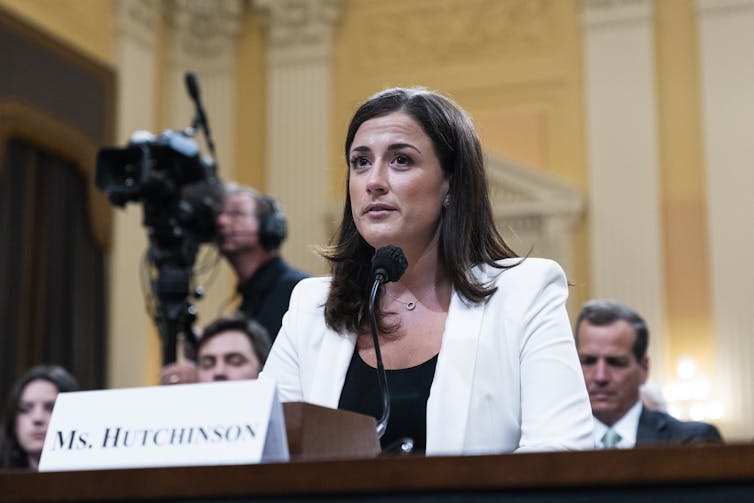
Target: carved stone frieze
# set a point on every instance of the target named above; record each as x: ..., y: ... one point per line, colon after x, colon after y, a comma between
x: 606, y: 12
x: 518, y: 191
x: 530, y: 224
x: 204, y: 28
x: 295, y: 23
x: 734, y: 7
x: 533, y: 211
x: 455, y: 30
x: 138, y: 19
x: 613, y: 4
x: 510, y: 195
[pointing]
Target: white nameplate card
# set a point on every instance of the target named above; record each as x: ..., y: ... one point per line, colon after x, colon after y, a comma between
x: 221, y: 423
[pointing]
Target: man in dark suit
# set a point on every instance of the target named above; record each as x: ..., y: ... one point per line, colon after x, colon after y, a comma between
x: 612, y: 342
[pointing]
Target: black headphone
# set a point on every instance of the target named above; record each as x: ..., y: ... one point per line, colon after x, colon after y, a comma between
x: 273, y: 227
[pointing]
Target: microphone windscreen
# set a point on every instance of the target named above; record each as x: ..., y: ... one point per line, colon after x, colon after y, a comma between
x: 390, y: 262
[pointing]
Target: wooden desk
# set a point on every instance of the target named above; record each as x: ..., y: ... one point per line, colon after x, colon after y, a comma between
x: 709, y: 473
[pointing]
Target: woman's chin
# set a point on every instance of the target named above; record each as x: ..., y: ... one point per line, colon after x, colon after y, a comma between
x: 379, y: 242
x: 377, y: 238
x: 35, y: 450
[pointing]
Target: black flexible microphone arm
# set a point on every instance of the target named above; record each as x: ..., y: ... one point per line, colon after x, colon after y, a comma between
x: 388, y: 264
x: 381, y: 375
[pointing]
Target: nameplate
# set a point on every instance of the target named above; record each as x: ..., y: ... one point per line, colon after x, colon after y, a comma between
x: 222, y: 423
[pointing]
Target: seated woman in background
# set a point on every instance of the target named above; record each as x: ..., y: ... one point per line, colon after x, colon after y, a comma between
x: 476, y: 342
x: 27, y: 414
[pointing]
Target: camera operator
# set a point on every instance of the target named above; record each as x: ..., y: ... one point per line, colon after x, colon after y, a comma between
x: 251, y: 227
x: 184, y: 206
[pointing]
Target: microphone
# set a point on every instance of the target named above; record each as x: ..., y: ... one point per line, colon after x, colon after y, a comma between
x: 192, y: 85
x: 388, y: 264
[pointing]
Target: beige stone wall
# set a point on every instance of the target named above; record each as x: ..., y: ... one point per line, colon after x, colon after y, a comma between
x: 251, y: 113
x: 515, y: 66
x: 683, y: 194
x: 85, y: 25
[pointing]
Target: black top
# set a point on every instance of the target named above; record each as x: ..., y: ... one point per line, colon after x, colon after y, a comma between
x: 409, y: 392
x: 267, y: 292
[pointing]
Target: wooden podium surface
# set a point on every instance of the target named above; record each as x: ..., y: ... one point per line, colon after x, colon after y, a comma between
x: 709, y: 473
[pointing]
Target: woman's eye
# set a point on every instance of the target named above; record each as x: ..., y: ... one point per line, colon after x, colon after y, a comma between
x: 359, y: 162
x: 402, y: 160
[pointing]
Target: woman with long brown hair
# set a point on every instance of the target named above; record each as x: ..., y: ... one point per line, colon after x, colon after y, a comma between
x: 476, y: 341
x: 27, y: 414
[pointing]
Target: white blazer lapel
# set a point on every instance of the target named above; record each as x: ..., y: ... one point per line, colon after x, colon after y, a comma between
x: 332, y: 364
x: 448, y: 404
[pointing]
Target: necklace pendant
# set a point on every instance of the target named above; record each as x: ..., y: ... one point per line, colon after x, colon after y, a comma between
x: 410, y: 306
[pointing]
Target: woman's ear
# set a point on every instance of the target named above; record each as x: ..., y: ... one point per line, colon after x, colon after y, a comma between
x: 446, y: 190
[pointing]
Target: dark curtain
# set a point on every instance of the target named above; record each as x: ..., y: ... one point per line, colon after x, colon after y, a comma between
x: 52, y: 287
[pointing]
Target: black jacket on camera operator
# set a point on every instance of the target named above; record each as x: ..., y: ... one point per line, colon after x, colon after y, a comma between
x: 251, y: 227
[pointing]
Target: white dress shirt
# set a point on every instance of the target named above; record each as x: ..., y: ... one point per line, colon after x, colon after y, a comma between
x: 627, y: 426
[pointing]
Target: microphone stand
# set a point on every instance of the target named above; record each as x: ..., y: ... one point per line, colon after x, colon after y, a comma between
x: 403, y: 445
x: 388, y: 264
x: 200, y: 119
x: 381, y: 374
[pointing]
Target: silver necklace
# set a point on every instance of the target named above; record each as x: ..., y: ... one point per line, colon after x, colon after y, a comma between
x: 410, y: 305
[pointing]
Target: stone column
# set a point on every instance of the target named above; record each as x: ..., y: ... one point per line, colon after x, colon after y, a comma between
x: 132, y: 359
x: 627, y: 258
x: 298, y: 113
x: 201, y: 36
x: 726, y: 29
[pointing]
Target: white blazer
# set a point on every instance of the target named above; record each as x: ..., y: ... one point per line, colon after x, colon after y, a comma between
x: 507, y: 378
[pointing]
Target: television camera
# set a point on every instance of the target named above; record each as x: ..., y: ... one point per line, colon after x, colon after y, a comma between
x: 181, y: 195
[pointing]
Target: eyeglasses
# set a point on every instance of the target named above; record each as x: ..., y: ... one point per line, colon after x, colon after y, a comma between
x: 234, y: 214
